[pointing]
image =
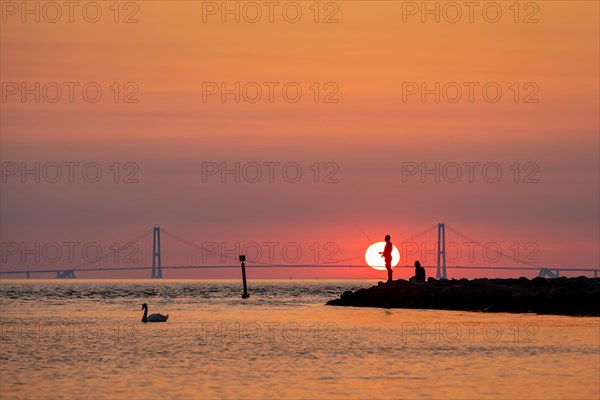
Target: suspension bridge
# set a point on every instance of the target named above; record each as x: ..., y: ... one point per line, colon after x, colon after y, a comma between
x: 159, y: 251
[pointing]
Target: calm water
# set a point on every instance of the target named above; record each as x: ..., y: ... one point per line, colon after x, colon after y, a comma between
x: 83, y: 339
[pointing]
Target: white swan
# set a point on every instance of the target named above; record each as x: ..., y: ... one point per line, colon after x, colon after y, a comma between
x: 153, y: 317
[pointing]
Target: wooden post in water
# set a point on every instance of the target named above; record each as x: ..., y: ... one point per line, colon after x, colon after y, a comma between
x: 245, y: 295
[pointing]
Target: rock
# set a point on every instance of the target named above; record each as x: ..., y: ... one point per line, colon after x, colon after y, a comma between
x: 346, y: 295
x: 540, y: 282
x: 561, y: 296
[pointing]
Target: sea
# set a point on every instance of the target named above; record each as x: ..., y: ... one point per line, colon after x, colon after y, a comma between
x: 84, y: 339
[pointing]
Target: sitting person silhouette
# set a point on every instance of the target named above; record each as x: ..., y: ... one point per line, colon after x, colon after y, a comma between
x: 386, y: 254
x: 419, y: 273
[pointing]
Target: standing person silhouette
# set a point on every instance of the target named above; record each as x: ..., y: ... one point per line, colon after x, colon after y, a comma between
x: 387, y: 256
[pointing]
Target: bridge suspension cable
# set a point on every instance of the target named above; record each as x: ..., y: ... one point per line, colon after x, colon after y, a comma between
x: 426, y: 231
x: 202, y: 248
x: 81, y: 267
x: 499, y: 253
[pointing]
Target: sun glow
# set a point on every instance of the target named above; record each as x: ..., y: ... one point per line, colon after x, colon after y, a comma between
x: 374, y: 259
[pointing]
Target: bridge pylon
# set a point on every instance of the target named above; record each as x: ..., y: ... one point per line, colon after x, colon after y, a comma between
x: 156, y: 256
x: 441, y: 252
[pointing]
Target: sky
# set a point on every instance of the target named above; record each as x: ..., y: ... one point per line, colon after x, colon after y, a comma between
x: 285, y: 129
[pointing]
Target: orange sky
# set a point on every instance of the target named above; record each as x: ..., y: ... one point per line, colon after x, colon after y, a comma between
x: 370, y: 54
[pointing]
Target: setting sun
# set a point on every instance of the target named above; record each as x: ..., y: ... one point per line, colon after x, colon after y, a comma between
x: 374, y: 259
